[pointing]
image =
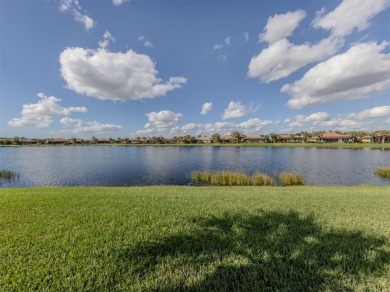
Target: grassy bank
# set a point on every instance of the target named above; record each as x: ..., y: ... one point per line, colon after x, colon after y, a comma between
x: 291, y: 145
x: 195, y: 238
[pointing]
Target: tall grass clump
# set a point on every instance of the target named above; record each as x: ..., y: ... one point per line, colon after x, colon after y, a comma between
x: 8, y: 175
x: 220, y: 178
x: 262, y: 179
x: 383, y: 172
x: 291, y: 179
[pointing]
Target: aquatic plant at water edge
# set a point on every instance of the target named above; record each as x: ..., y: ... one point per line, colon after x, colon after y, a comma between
x: 8, y: 175
x: 262, y: 179
x: 383, y: 172
x: 220, y: 178
x: 291, y: 179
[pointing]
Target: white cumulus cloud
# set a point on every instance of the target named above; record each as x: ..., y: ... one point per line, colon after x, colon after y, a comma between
x: 81, y: 127
x: 360, y: 72
x: 118, y: 2
x: 376, y: 112
x: 255, y: 123
x: 228, y: 40
x: 147, y: 43
x: 41, y: 114
x: 350, y: 15
x: 301, y: 120
x: 217, y: 47
x: 114, y: 76
x: 281, y: 26
x: 206, y: 107
x: 246, y: 36
x: 163, y: 119
x: 237, y: 110
x: 73, y: 6
x: 282, y: 58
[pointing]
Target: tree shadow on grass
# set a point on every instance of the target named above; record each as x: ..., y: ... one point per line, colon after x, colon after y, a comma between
x: 243, y: 252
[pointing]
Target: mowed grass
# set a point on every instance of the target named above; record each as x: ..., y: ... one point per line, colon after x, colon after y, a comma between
x: 170, y: 238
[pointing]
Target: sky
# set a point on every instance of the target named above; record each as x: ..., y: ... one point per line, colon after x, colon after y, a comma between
x: 135, y: 68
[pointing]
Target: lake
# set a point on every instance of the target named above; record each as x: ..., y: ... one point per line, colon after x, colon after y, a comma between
x: 169, y: 165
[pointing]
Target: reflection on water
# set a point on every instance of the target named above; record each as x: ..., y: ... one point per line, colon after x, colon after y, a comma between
x: 140, y: 165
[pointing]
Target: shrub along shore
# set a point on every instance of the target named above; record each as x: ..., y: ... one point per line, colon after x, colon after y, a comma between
x: 195, y: 238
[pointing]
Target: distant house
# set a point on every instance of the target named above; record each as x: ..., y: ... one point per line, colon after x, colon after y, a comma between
x: 29, y: 141
x: 367, y: 139
x: 57, y: 141
x: 134, y: 140
x: 331, y: 137
x: 255, y: 139
x: 203, y: 139
x: 298, y: 139
x: 382, y: 137
x: 103, y: 141
x: 227, y: 139
x: 285, y: 138
x: 314, y: 139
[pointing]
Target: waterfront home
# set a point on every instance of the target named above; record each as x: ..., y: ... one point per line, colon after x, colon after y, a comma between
x: 57, y: 141
x: 382, y: 137
x: 134, y: 140
x: 103, y: 141
x: 367, y: 139
x: 29, y: 141
x: 228, y: 139
x: 203, y: 139
x: 314, y: 139
x: 332, y: 137
x: 256, y: 139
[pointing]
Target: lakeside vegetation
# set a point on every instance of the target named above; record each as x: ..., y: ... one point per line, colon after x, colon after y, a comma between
x: 8, y: 175
x: 231, y: 178
x: 376, y: 139
x: 291, y: 179
x: 195, y: 238
x: 383, y: 172
x: 385, y: 146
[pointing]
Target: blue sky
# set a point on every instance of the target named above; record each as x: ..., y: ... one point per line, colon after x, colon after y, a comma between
x: 133, y: 68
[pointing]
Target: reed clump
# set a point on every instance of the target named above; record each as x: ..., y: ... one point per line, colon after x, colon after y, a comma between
x: 262, y: 179
x: 8, y: 175
x: 291, y: 179
x: 230, y: 178
x: 383, y: 172
x: 220, y: 178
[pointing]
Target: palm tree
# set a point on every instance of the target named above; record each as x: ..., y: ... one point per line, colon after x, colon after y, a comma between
x: 238, y: 137
x: 215, y: 138
x: 306, y: 135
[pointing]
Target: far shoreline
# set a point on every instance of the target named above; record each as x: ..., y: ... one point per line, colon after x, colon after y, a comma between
x: 380, y: 146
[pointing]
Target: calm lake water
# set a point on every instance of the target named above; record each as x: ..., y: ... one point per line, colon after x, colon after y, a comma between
x: 140, y: 165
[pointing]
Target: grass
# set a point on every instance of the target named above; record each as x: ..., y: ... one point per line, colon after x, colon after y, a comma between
x: 195, y: 238
x: 291, y: 179
x: 383, y: 172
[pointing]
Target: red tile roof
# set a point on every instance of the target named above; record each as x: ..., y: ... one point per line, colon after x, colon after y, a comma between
x: 59, y: 140
x: 332, y: 135
x: 227, y: 137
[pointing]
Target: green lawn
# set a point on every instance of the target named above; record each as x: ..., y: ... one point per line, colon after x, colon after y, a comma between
x: 195, y: 238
